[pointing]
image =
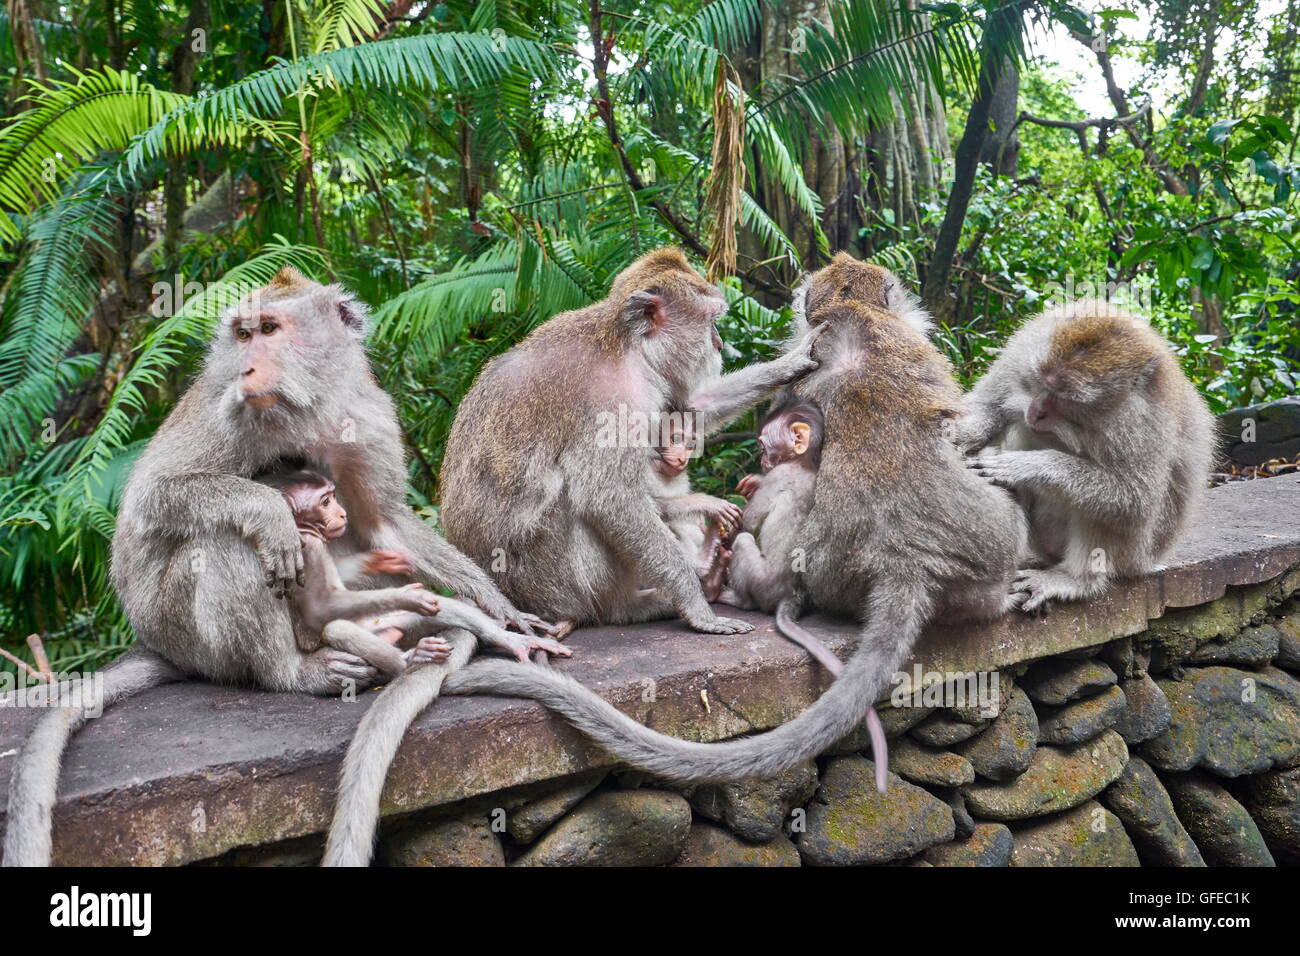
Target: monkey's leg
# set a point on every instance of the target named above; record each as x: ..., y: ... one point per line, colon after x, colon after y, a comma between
x: 355, y: 639
x: 461, y: 614
x: 375, y: 743
x: 33, y: 785
x: 1032, y: 590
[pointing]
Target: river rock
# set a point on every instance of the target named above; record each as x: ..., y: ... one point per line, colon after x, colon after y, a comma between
x: 1273, y: 800
x: 757, y: 809
x: 616, y: 828
x: 1141, y: 802
x: 1006, y: 748
x: 1147, y: 711
x: 989, y: 845
x: 899, y: 720
x: 1058, y: 681
x: 928, y: 765
x: 1223, y: 830
x: 467, y: 841
x: 1118, y: 656
x: 849, y: 823
x: 1082, y: 719
x: 711, y: 845
x: 943, y: 730
x: 1088, y: 835
x: 1214, y: 725
x: 1251, y: 647
x: 527, y: 822
x: 1058, y: 778
x: 1288, y: 643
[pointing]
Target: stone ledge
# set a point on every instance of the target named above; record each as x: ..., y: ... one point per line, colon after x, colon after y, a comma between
x: 261, y: 766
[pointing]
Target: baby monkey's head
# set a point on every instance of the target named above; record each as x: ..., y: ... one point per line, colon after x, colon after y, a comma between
x: 791, y: 433
x: 316, y: 509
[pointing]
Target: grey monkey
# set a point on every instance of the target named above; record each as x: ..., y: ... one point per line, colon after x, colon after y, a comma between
x: 1088, y: 418
x: 900, y: 532
x: 198, y: 541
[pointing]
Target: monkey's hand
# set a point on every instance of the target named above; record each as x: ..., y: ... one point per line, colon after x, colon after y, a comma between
x: 432, y: 650
x: 279, y: 548
x: 509, y: 616
x: 968, y: 434
x: 388, y: 562
x: 800, y: 358
x: 748, y: 485
x: 416, y: 598
x: 1007, y: 469
x: 723, y: 513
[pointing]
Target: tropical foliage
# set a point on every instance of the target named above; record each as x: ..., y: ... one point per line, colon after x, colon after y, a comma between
x: 473, y: 168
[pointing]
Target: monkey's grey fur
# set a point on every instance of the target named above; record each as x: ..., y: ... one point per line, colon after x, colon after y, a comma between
x: 900, y: 531
x: 197, y: 538
x: 1112, y: 473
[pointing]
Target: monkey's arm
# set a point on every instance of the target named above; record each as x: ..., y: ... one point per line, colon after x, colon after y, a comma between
x: 719, y: 401
x: 193, y: 506
x: 323, y: 598
x: 438, y: 564
x: 1103, y: 492
x: 686, y: 506
x: 632, y: 528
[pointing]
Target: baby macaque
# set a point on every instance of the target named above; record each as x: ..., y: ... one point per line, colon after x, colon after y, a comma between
x: 699, y: 522
x: 764, y: 556
x: 370, y: 623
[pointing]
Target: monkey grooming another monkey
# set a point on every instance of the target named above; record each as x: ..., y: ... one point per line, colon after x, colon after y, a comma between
x: 544, y: 480
x: 201, y: 550
x: 1088, y: 418
x: 900, y: 532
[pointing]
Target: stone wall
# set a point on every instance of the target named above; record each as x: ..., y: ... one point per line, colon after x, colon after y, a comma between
x: 1177, y: 746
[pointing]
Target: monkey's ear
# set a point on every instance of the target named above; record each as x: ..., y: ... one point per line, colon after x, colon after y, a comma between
x: 643, y: 311
x: 801, y: 432
x: 355, y: 317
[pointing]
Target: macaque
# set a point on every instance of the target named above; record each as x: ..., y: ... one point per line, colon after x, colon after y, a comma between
x: 366, y: 623
x: 1087, y: 417
x: 900, y: 532
x: 544, y: 478
x: 699, y: 522
x: 203, y: 553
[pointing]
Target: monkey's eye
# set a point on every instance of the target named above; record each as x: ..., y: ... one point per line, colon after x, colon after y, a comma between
x: 269, y: 328
x: 325, y: 502
x: 243, y: 334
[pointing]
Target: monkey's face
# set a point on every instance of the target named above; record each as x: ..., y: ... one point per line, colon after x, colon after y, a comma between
x: 675, y: 323
x: 260, y: 338
x: 333, y: 519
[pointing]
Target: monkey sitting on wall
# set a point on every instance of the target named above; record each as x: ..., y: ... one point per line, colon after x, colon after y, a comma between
x: 1088, y: 418
x: 699, y: 522
x: 368, y: 623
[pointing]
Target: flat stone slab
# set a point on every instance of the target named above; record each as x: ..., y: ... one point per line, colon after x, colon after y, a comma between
x: 192, y: 770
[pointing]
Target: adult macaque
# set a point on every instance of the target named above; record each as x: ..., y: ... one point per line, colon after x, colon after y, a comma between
x: 699, y: 522
x: 543, y: 484
x: 900, y: 532
x: 1088, y: 418
x: 198, y: 541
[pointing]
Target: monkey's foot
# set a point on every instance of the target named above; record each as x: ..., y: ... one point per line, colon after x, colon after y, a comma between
x: 328, y: 672
x: 721, y: 625
x: 388, y: 561
x: 1031, y: 592
x: 432, y: 649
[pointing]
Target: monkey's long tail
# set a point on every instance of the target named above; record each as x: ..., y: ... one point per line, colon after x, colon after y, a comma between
x: 351, y: 839
x: 34, y: 785
x: 788, y: 624
x: 896, y: 612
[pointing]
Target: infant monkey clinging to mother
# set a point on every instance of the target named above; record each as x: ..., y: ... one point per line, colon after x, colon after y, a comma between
x: 369, y: 623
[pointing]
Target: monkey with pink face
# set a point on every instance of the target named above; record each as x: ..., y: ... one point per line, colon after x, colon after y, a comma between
x: 369, y: 623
